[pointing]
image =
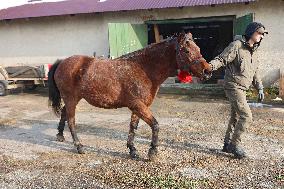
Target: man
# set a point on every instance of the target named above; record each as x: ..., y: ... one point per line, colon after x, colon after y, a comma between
x: 241, y: 70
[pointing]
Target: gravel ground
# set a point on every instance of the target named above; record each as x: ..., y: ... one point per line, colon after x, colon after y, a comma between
x: 191, y: 135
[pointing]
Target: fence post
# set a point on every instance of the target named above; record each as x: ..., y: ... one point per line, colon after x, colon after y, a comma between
x: 281, y: 83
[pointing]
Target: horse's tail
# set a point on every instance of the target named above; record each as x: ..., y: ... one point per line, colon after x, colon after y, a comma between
x: 54, y: 95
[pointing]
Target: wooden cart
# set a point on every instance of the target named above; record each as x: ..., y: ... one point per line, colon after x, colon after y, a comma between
x: 22, y: 77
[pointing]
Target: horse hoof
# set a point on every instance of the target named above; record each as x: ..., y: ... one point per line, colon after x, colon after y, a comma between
x: 134, y: 155
x: 80, y: 150
x: 152, y: 154
x: 60, y: 138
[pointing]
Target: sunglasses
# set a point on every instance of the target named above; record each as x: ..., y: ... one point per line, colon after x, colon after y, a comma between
x: 260, y: 33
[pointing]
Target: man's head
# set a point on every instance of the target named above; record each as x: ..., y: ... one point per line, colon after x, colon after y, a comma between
x: 255, y: 32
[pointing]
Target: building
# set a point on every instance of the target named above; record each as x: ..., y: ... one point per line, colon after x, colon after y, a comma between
x: 40, y: 33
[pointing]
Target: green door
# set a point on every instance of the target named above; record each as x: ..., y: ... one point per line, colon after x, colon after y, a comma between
x: 241, y: 24
x: 125, y: 38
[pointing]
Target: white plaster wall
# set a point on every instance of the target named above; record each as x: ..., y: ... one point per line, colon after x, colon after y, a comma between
x: 42, y: 40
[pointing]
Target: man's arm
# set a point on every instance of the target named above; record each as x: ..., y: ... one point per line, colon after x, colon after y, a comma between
x: 257, y: 83
x: 227, y: 56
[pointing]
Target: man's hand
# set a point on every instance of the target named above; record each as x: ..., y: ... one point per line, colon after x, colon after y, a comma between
x: 210, y: 67
x: 260, y: 96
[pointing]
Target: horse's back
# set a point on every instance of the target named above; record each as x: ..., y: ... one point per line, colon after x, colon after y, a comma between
x: 103, y: 83
x: 69, y: 72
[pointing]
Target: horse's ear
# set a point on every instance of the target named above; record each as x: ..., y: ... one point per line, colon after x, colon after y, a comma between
x: 189, y: 35
x: 181, y: 36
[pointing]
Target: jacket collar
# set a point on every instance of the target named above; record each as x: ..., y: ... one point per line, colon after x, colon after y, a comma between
x: 245, y: 43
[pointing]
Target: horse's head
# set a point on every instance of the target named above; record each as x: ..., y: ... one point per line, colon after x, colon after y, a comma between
x: 189, y: 57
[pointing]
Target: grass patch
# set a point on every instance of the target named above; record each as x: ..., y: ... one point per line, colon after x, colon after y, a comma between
x: 149, y: 180
x: 169, y: 181
x: 270, y: 93
x: 280, y: 177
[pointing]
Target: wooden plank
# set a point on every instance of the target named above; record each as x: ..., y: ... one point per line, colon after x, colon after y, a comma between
x: 139, y: 36
x: 36, y: 72
x: 19, y: 72
x: 125, y: 38
x: 23, y: 72
x: 27, y: 79
x: 27, y: 74
x: 112, y: 37
x: 157, y: 33
x: 192, y: 20
x: 3, y: 73
x: 281, y: 83
x: 119, y: 44
x: 14, y: 69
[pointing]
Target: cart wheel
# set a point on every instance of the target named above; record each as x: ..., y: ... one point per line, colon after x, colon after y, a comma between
x: 2, y: 89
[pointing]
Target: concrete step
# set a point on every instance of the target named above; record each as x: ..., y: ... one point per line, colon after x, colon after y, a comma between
x: 211, y: 90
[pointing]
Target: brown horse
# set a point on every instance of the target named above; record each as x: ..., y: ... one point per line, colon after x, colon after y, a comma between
x: 129, y: 81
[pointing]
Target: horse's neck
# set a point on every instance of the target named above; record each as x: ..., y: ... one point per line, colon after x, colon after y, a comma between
x: 158, y: 61
x: 163, y: 62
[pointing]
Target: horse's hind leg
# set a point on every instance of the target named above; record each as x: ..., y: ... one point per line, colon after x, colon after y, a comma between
x: 70, y: 113
x: 61, y: 125
x: 133, y: 125
x: 144, y: 113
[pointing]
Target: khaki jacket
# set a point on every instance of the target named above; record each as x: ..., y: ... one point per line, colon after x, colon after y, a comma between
x: 241, y: 65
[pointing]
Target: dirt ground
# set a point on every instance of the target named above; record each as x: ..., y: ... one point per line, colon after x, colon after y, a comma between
x: 191, y: 136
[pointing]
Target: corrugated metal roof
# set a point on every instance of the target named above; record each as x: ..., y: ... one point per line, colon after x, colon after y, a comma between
x: 92, y: 6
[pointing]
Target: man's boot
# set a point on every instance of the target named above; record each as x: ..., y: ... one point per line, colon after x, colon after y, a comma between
x: 236, y: 150
x: 225, y: 147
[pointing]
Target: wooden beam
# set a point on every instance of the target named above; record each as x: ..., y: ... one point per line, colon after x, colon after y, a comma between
x: 281, y: 83
x: 26, y: 79
x: 157, y: 33
x: 19, y: 72
x: 3, y: 73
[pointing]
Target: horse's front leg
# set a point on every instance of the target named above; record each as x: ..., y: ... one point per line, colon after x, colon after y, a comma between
x: 145, y: 114
x: 70, y: 113
x: 153, y: 151
x: 61, y: 125
x: 132, y: 127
